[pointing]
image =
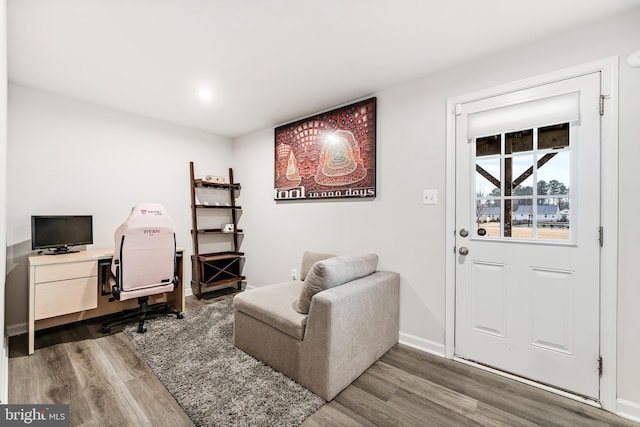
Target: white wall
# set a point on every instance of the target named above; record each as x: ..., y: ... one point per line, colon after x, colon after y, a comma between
x: 4, y: 345
x: 69, y: 157
x: 410, y: 236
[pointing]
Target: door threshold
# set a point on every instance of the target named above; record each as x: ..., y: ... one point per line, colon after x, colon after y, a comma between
x: 583, y: 399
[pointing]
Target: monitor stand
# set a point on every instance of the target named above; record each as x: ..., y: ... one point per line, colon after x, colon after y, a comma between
x: 61, y: 251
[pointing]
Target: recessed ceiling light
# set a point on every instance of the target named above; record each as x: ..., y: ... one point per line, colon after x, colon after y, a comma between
x: 204, y: 95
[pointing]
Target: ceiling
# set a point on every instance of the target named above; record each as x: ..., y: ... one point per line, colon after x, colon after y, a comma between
x: 264, y: 62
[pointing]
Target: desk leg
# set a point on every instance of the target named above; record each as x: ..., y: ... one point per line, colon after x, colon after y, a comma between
x: 32, y: 306
x: 176, y: 298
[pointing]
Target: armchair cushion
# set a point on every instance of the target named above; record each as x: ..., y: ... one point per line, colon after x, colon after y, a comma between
x: 333, y: 272
x: 275, y: 305
x: 310, y: 258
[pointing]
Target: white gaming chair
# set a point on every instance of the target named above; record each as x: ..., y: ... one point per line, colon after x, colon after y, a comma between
x: 144, y: 262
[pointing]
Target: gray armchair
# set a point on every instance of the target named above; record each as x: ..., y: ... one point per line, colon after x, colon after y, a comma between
x: 351, y: 321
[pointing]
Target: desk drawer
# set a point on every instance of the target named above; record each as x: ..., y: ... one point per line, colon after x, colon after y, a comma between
x: 65, y: 296
x: 67, y: 270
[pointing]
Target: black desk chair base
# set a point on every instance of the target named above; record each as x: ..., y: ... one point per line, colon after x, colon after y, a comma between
x: 143, y: 312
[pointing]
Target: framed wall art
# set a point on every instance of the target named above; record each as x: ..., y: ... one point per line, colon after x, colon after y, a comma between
x: 328, y: 156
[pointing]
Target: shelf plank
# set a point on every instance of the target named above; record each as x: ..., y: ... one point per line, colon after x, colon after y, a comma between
x: 218, y: 207
x: 224, y: 186
x: 219, y: 282
x: 217, y: 231
x: 236, y: 279
x: 219, y: 256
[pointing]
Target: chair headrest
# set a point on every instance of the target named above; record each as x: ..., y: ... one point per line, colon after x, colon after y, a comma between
x: 148, y: 215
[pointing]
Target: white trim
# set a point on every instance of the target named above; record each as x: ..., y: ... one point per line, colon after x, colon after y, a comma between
x: 609, y: 220
x: 629, y: 410
x: 608, y: 67
x: 422, y: 344
x: 450, y: 230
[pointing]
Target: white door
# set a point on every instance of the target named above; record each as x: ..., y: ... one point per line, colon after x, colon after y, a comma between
x: 527, y: 233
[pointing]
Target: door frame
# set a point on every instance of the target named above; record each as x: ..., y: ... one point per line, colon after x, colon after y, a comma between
x: 608, y: 67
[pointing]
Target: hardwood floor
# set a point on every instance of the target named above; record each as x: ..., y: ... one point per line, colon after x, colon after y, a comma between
x: 107, y: 383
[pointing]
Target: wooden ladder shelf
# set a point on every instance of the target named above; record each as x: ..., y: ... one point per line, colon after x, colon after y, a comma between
x: 214, y: 270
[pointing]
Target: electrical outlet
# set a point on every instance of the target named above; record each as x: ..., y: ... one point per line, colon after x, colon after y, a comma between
x: 294, y: 274
x: 430, y: 197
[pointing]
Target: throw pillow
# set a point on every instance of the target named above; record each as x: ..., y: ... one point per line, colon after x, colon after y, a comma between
x: 333, y: 272
x: 310, y: 258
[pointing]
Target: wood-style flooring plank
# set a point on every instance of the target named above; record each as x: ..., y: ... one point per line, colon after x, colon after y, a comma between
x: 429, y: 413
x: 126, y: 361
x: 335, y: 414
x: 445, y: 397
x: 151, y: 395
x: 142, y: 384
x: 492, y: 417
x: 100, y: 387
x: 45, y: 377
x: 376, y: 386
x: 375, y: 410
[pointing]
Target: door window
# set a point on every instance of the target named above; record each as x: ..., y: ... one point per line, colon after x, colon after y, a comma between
x: 522, y: 183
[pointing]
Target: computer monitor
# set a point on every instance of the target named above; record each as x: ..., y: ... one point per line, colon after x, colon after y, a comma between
x: 60, y: 232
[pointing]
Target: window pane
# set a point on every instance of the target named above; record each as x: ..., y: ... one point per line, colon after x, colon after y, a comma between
x: 518, y: 141
x: 488, y: 145
x: 522, y: 218
x: 521, y: 174
x: 554, y: 176
x: 488, y: 218
x: 488, y: 177
x: 553, y: 220
x: 556, y: 136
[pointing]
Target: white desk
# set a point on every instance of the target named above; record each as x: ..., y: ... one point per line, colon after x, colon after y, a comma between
x: 68, y: 288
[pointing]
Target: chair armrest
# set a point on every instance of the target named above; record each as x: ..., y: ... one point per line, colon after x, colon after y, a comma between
x: 349, y: 327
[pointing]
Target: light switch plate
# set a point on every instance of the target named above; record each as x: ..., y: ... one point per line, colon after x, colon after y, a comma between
x: 634, y: 59
x: 430, y: 197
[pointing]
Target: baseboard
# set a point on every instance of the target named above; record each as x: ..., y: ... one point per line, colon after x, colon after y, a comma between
x: 17, y: 329
x: 422, y: 344
x: 627, y: 409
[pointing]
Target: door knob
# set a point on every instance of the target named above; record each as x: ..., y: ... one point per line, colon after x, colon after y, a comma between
x: 463, y: 250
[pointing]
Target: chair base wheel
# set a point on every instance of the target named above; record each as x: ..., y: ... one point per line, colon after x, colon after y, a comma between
x: 179, y: 315
x: 106, y: 329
